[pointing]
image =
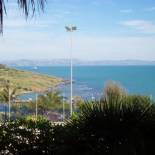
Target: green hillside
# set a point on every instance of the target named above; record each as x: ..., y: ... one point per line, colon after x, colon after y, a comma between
x: 28, y: 81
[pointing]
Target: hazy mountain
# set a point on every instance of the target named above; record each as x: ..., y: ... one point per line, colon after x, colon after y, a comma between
x: 65, y: 62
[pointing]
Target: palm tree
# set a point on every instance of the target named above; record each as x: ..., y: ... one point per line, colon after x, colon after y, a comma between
x: 8, y: 93
x: 55, y: 97
x: 49, y: 101
x: 25, y: 5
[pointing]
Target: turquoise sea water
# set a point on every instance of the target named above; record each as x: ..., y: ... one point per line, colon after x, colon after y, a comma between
x: 90, y: 80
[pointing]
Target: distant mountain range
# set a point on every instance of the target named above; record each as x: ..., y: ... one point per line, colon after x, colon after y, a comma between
x: 66, y: 62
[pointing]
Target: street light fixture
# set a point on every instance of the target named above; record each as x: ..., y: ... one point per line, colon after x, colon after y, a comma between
x: 71, y: 29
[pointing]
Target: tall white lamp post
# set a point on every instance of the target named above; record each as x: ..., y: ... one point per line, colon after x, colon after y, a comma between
x: 71, y: 29
x: 63, y: 107
x: 9, y: 93
x: 9, y: 105
x: 36, y: 106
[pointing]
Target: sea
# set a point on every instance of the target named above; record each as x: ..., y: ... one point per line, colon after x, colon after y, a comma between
x: 89, y: 81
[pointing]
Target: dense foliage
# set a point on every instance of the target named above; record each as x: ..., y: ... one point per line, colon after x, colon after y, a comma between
x: 26, y: 137
x: 112, y: 127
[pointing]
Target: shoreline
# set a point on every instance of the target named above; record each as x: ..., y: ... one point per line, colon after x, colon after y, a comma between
x: 28, y: 82
x: 65, y: 82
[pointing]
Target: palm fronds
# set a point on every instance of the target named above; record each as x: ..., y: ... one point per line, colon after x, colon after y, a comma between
x: 7, y: 93
x: 2, y: 10
x: 25, y: 5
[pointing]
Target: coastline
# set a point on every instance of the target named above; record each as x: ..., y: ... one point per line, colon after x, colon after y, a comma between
x: 64, y: 82
x: 26, y: 81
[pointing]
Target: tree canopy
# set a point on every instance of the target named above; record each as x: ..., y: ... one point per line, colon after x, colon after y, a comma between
x: 25, y: 5
x: 7, y: 92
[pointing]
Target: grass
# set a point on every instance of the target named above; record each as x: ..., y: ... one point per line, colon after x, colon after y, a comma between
x: 29, y: 81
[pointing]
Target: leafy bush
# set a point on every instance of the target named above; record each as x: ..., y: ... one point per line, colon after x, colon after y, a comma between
x: 110, y: 127
x: 26, y: 137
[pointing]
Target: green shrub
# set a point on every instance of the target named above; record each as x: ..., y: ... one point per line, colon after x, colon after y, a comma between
x: 114, y: 91
x: 110, y: 127
x: 26, y: 137
x: 113, y: 127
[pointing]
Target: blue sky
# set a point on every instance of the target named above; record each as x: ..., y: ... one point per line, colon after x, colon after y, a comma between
x: 107, y: 30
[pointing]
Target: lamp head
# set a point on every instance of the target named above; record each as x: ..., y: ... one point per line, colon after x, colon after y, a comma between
x: 70, y: 29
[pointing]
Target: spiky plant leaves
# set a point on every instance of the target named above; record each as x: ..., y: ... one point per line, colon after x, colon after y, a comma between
x: 115, y: 126
x: 2, y: 10
x: 113, y: 91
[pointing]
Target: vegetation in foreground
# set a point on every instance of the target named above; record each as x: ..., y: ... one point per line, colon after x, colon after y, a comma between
x: 118, y: 124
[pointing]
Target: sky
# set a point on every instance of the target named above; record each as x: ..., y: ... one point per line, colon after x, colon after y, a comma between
x: 107, y: 30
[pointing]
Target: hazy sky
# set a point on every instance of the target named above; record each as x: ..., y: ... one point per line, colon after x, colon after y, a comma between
x: 107, y: 29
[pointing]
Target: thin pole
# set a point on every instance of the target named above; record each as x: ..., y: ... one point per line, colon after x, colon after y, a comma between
x: 63, y: 109
x: 93, y: 98
x: 36, y: 106
x: 9, y: 104
x: 9, y: 100
x: 151, y: 98
x: 70, y: 30
x: 71, y: 75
